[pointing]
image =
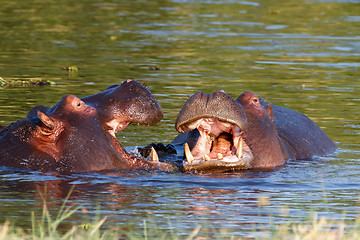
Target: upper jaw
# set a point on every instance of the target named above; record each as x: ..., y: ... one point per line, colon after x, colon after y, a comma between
x: 219, y: 147
x: 131, y: 101
x: 217, y: 105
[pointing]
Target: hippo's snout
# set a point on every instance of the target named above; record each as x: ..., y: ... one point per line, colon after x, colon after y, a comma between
x: 129, y: 102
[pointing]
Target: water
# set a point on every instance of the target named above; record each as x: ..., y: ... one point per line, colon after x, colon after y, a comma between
x: 302, y: 55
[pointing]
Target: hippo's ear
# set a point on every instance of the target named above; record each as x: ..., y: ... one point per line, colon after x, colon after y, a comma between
x: 46, y: 120
x: 33, y: 112
x: 269, y: 111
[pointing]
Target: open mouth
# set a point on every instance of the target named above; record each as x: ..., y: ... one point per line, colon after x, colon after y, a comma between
x: 114, y: 126
x: 219, y: 147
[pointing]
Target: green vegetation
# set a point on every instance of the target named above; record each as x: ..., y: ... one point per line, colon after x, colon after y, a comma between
x: 26, y: 82
x: 312, y: 229
x: 45, y: 227
x: 71, y: 69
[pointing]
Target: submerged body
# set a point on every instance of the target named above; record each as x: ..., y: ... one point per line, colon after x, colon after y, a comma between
x: 222, y: 134
x: 79, y: 134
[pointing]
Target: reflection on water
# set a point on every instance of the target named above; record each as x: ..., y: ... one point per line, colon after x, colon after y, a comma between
x: 299, y: 54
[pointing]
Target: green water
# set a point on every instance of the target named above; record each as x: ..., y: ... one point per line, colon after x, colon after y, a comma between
x: 304, y: 55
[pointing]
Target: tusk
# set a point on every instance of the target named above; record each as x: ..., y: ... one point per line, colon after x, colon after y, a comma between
x: 154, y: 155
x: 188, y: 155
x: 239, y: 150
x: 220, y: 156
x: 207, y: 158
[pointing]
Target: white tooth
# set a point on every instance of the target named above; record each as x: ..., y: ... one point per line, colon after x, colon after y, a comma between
x: 188, y: 155
x: 220, y: 156
x: 239, y: 150
x: 154, y: 155
x: 207, y: 158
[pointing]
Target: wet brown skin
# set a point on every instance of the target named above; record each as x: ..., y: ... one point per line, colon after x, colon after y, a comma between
x: 215, y: 127
x: 79, y: 134
x: 260, y: 133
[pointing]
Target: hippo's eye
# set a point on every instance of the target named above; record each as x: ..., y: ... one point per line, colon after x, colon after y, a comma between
x: 255, y: 100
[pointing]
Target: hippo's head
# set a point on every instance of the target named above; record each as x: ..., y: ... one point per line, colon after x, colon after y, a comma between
x: 226, y: 134
x: 79, y: 134
x: 120, y: 105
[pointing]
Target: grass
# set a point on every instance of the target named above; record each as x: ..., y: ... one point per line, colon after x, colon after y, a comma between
x: 46, y: 227
x: 319, y: 229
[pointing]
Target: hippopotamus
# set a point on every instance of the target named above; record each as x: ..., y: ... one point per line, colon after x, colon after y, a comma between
x: 78, y: 135
x: 218, y: 133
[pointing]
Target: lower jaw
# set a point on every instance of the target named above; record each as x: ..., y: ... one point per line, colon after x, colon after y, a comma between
x: 218, y: 165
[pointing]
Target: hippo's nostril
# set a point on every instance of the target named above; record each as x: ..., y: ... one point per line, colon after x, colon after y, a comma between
x: 77, y: 104
x: 255, y: 100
